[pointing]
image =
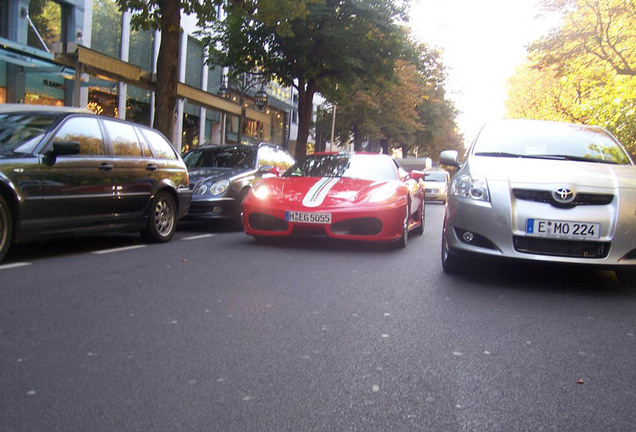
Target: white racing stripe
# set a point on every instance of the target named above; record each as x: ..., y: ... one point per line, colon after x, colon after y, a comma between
x: 121, y: 249
x: 318, y: 192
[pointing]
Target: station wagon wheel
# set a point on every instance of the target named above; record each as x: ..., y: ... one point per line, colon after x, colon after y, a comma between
x: 6, y: 228
x: 162, y: 221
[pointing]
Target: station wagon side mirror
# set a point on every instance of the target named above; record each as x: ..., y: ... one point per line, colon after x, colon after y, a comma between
x: 61, y: 148
x: 449, y: 157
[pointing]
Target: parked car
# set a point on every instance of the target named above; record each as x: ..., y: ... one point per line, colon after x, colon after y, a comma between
x: 436, y: 184
x: 222, y: 176
x: 66, y: 171
x: 340, y: 195
x: 543, y: 191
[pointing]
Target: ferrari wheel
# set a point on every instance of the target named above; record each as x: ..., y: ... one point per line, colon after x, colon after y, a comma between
x: 402, y: 242
x: 419, y: 230
x: 6, y: 227
x: 162, y: 221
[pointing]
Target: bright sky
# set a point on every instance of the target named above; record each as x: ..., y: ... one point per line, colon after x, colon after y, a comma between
x: 482, y: 42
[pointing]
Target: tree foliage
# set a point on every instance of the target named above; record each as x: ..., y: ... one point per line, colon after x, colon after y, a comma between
x: 408, y: 111
x: 583, y: 71
x: 311, y: 44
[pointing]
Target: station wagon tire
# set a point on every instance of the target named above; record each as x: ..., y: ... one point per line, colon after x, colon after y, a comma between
x: 162, y: 221
x: 6, y: 228
x: 626, y: 276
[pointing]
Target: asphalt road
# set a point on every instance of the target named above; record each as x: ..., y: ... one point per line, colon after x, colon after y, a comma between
x: 217, y: 332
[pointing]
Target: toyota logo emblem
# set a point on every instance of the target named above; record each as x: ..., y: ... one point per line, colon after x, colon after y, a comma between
x: 563, y: 195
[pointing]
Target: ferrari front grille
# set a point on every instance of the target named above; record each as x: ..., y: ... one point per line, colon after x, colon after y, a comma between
x: 265, y: 222
x: 561, y: 248
x: 544, y: 196
x: 366, y: 226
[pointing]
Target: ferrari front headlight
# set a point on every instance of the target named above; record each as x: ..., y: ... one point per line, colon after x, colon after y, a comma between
x: 261, y: 191
x: 468, y: 186
x: 382, y: 194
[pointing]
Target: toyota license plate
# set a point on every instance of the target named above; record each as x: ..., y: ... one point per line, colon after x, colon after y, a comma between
x: 563, y: 229
x: 308, y: 217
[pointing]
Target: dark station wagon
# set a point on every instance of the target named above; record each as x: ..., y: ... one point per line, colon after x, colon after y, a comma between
x: 67, y: 171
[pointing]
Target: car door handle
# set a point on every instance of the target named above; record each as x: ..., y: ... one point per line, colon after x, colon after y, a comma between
x: 151, y: 167
x: 106, y: 166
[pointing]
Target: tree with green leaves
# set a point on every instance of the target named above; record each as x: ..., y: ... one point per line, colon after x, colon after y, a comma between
x: 315, y: 45
x: 583, y: 71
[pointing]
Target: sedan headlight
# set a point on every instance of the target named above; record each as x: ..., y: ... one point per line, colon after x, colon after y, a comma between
x: 219, y: 187
x: 468, y: 186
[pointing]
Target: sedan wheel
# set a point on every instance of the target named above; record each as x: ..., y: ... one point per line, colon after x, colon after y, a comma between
x: 6, y: 226
x: 163, y: 219
x: 451, y: 263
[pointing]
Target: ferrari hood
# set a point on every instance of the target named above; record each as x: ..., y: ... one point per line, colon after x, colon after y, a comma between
x: 520, y: 171
x: 314, y: 192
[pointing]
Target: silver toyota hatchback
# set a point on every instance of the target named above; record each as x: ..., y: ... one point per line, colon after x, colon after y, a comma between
x: 542, y: 191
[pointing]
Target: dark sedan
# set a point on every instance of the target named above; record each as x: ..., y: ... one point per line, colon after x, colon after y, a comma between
x: 222, y: 176
x: 67, y: 171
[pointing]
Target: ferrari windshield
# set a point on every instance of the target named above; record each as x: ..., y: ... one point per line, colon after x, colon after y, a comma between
x: 358, y: 166
x: 21, y: 132
x: 549, y: 140
x: 221, y: 157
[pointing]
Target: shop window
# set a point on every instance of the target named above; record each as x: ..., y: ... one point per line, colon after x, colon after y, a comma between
x: 45, y: 24
x: 106, y: 32
x: 138, y: 105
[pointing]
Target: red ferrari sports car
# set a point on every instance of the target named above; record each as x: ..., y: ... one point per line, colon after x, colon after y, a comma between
x: 354, y: 196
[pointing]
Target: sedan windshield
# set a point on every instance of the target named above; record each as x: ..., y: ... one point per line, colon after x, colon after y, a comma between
x: 366, y: 167
x: 221, y: 157
x: 549, y: 140
x: 435, y: 176
x: 21, y: 133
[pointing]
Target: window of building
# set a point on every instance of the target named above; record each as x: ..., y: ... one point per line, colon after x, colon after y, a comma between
x: 141, y: 51
x: 194, y: 63
x: 106, y: 31
x: 45, y: 20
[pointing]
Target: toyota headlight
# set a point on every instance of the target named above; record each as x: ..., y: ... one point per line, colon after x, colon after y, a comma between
x: 468, y: 186
x: 219, y: 187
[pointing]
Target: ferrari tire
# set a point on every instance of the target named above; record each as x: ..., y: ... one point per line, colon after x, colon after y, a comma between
x: 404, y: 239
x: 6, y: 228
x: 162, y: 220
x: 419, y: 230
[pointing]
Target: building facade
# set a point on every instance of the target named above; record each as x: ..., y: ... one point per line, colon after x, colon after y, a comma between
x: 85, y: 53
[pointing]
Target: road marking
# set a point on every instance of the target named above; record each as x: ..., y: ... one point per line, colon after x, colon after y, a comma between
x: 197, y: 237
x: 121, y: 249
x: 14, y: 265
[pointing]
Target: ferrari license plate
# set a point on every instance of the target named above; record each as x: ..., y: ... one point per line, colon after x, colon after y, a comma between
x: 563, y: 229
x: 308, y: 217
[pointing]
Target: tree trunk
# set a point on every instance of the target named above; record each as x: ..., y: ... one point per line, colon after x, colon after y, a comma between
x: 306, y: 91
x: 168, y: 67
